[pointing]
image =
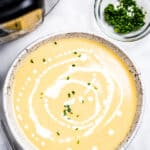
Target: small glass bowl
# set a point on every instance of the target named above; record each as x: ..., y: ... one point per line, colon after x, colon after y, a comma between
x: 99, y: 7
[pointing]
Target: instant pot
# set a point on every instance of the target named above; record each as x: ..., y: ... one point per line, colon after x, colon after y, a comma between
x: 18, y: 17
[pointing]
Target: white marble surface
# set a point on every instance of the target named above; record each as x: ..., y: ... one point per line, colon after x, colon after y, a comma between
x: 77, y: 15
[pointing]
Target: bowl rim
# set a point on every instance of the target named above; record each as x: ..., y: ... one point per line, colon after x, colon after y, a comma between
x: 32, y: 46
x: 99, y: 23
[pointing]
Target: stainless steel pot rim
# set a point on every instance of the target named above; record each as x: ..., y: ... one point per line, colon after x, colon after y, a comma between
x: 22, y: 141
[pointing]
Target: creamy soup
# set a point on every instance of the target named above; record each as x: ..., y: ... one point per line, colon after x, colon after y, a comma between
x: 74, y: 94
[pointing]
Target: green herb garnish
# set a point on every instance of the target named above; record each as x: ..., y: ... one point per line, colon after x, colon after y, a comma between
x: 78, y: 142
x: 77, y: 116
x: 76, y: 129
x: 69, y: 95
x: 44, y: 60
x: 68, y: 78
x: 67, y: 110
x: 73, y: 65
x: 75, y: 52
x: 95, y: 88
x: 73, y: 92
x: 126, y: 17
x: 79, y: 55
x: 58, y: 133
x: 31, y: 61
x: 89, y: 83
x: 55, y: 43
x: 82, y: 101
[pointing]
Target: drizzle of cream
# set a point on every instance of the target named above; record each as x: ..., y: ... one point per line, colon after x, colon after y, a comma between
x: 119, y: 113
x: 83, y: 57
x: 33, y: 135
x: 49, y: 59
x: 69, y: 148
x: 18, y: 100
x: 35, y: 71
x: 54, y: 91
x: 17, y: 108
x: 20, y: 117
x: 42, y: 144
x: 26, y: 126
x: 118, y: 106
x: 43, y: 132
x: 23, y: 88
x: 28, y: 78
x: 111, y: 132
x: 95, y: 148
x: 90, y: 99
x: 65, y: 140
x: 70, y: 102
x: 20, y: 94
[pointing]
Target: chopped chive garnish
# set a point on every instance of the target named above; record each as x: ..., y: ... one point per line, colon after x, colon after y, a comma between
x: 44, y: 60
x: 69, y: 95
x: 31, y: 61
x: 73, y: 65
x: 79, y: 55
x: 82, y: 101
x: 76, y: 129
x: 78, y: 142
x: 68, y: 78
x: 65, y: 112
x: 95, y: 88
x: 73, y: 92
x: 75, y: 52
x: 58, y: 133
x: 89, y: 83
x: 41, y: 93
x: 77, y: 116
x: 55, y: 43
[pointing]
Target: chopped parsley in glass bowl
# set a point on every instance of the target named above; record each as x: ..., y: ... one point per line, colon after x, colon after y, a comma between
x: 123, y: 20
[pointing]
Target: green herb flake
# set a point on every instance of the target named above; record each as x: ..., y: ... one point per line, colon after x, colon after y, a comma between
x: 95, y: 88
x: 55, y: 43
x: 76, y: 129
x: 79, y: 55
x: 82, y: 101
x: 77, y: 116
x: 73, y: 65
x: 69, y: 95
x: 65, y: 112
x: 73, y: 92
x: 78, y: 142
x: 31, y: 61
x: 68, y: 78
x: 58, y: 133
x: 89, y: 83
x: 41, y: 93
x: 44, y: 60
x: 75, y: 53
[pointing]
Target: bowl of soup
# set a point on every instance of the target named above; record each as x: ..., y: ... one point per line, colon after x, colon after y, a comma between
x: 73, y: 91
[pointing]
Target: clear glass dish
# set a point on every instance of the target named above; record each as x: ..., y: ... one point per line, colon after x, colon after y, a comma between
x: 99, y: 7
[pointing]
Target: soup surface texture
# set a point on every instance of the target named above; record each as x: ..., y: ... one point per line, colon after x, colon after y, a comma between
x: 74, y: 94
